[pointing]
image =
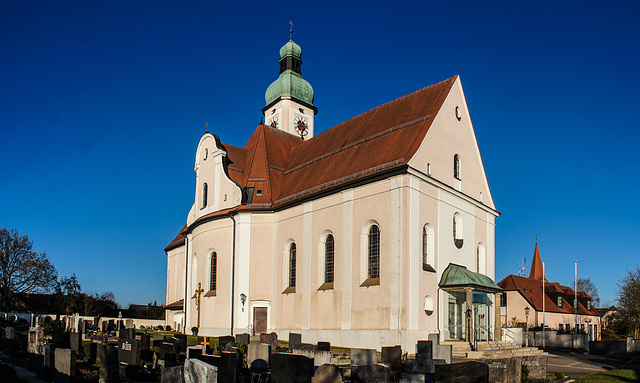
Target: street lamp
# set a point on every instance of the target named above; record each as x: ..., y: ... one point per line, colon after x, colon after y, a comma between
x: 526, y: 314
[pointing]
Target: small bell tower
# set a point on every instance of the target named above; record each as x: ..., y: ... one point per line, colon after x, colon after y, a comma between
x: 289, y: 99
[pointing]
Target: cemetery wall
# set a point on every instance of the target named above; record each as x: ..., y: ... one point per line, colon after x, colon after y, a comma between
x: 136, y: 321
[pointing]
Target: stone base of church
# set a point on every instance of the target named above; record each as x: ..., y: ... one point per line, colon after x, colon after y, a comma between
x: 344, y: 338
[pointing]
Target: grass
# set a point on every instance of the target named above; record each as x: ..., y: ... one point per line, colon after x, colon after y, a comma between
x: 614, y: 376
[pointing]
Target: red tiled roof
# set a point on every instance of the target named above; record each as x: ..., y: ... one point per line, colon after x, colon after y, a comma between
x: 287, y: 168
x: 178, y: 240
x: 531, y: 290
x: 177, y: 305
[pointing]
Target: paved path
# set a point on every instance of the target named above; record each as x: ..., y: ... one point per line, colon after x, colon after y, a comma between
x: 575, y: 365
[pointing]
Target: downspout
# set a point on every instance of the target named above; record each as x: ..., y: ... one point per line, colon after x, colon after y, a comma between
x: 186, y: 283
x: 233, y: 269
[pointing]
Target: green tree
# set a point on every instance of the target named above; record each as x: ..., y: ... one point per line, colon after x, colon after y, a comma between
x: 628, y: 296
x: 22, y: 270
x: 155, y: 311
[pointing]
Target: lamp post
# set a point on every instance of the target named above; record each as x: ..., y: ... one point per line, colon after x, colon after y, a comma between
x: 575, y: 303
x: 526, y: 314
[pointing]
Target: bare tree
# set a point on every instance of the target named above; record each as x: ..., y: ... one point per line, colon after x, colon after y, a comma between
x: 628, y: 296
x: 22, y: 270
x: 585, y: 284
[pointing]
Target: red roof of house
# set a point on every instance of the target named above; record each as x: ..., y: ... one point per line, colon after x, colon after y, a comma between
x: 177, y: 305
x: 287, y: 168
x: 531, y: 290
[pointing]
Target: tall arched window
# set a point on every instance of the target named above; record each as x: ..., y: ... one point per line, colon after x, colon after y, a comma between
x: 292, y: 265
x: 328, y: 259
x: 481, y: 258
x: 456, y: 166
x: 214, y: 271
x: 374, y: 252
x: 428, y: 258
x: 457, y: 230
x: 204, y: 195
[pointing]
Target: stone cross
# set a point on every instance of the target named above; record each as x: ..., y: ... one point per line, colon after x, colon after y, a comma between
x: 199, y: 292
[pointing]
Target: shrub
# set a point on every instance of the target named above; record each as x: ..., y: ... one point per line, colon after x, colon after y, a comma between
x: 525, y: 373
x: 168, y: 328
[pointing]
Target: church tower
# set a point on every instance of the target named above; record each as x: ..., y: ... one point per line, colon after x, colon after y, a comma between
x: 289, y: 99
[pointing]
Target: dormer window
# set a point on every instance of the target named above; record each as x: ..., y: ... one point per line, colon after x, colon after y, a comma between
x: 559, y: 303
x: 589, y: 305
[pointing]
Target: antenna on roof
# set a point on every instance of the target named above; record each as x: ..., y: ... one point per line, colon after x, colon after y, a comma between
x: 523, y: 270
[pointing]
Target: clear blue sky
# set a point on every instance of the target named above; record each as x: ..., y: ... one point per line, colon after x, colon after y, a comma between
x: 102, y: 105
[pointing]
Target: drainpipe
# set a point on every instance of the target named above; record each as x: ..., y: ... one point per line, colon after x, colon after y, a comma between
x: 233, y: 269
x: 186, y: 283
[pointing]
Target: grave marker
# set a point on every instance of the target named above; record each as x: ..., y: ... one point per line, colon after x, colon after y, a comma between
x: 291, y: 368
x: 376, y: 373
x: 65, y: 364
x: 109, y: 371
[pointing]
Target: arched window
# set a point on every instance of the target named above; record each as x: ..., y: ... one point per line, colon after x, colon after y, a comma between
x: 292, y: 265
x: 214, y: 271
x: 456, y: 166
x: 457, y: 230
x: 204, y: 195
x: 374, y: 252
x: 428, y: 258
x: 328, y: 259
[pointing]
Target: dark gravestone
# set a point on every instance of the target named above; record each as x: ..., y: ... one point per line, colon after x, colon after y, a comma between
x: 75, y: 341
x: 49, y: 357
x: 223, y: 340
x: 181, y: 343
x: 146, y: 355
x: 194, y: 352
x: 504, y: 370
x: 324, y: 346
x: 376, y: 373
x: 363, y: 356
x: 294, y: 340
x: 65, y: 363
x: 145, y: 341
x: 105, y: 326
x: 111, y: 326
x: 291, y: 368
x: 57, y: 336
x: 172, y: 375
x: 466, y: 372
x: 129, y: 351
x: 229, y: 368
x: 424, y: 357
x: 168, y: 349
x: 392, y: 356
x: 96, y: 342
x: 80, y: 328
x: 109, y: 372
x: 120, y: 324
x: 271, y: 339
x: 328, y: 373
x: 243, y: 339
x: 127, y: 333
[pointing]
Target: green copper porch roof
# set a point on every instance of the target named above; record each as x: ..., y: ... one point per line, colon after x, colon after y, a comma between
x: 460, y: 276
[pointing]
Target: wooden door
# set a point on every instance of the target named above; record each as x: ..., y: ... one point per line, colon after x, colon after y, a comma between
x: 259, y: 320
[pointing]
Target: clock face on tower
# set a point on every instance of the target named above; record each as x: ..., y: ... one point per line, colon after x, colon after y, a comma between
x: 301, y: 126
x: 274, y: 123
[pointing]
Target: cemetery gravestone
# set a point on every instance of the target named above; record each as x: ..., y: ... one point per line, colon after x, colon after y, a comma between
x: 466, y: 372
x: 223, y: 340
x: 75, y: 341
x: 424, y: 357
x: 129, y: 323
x: 65, y: 364
x: 294, y: 340
x: 127, y: 333
x: 328, y: 373
x: 392, y: 357
x: 109, y: 372
x: 363, y: 357
x: 168, y: 349
x: 172, y: 375
x: 271, y: 339
x: 291, y: 368
x: 258, y: 356
x: 129, y: 351
x: 145, y: 341
x: 376, y: 373
x: 36, y: 341
x: 181, y: 343
x: 243, y: 339
x: 229, y: 367
x: 324, y: 346
x: 197, y: 371
x: 205, y: 342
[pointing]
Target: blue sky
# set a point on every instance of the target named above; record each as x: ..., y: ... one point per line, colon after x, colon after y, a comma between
x: 102, y: 105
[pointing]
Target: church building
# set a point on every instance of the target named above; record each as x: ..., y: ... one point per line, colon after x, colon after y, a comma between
x: 378, y: 231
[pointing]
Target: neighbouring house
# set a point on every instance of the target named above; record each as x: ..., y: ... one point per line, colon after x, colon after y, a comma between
x: 560, y: 311
x: 378, y: 231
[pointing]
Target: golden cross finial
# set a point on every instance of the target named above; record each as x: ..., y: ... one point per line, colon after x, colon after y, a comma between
x: 206, y: 127
x: 291, y: 30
